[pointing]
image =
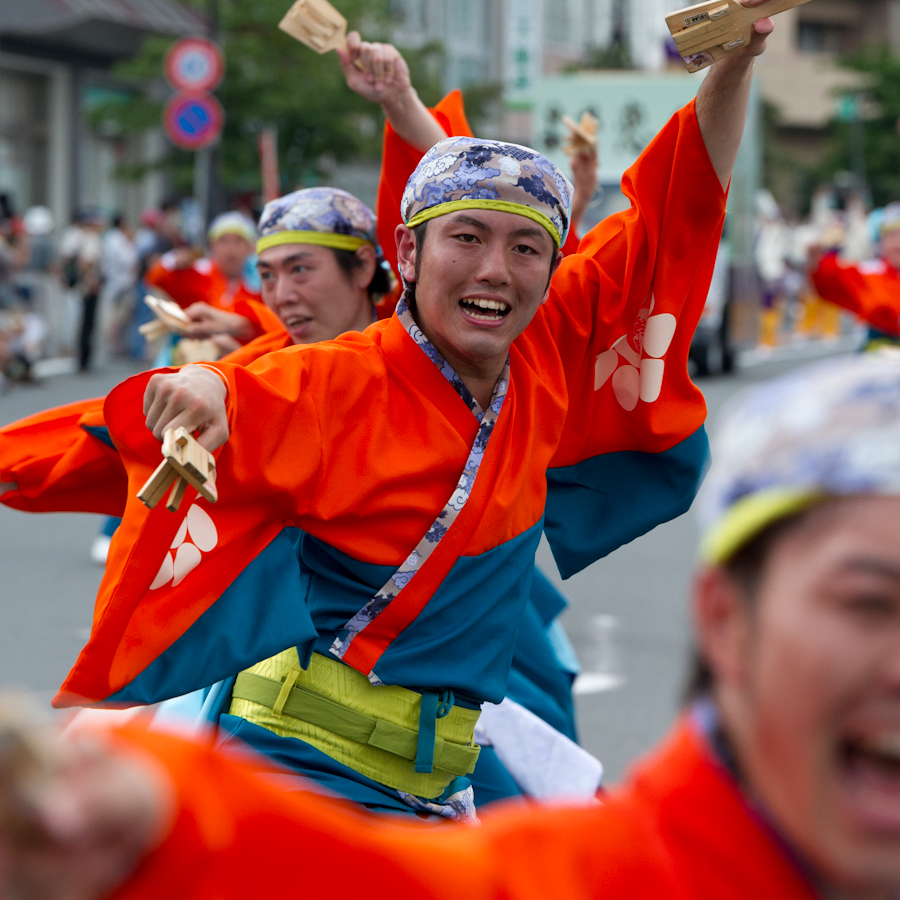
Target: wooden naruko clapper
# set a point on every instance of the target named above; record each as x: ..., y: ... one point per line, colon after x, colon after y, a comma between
x: 582, y: 135
x: 709, y: 31
x: 317, y: 24
x: 184, y: 463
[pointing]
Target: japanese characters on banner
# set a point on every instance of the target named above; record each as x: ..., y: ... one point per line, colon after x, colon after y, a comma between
x: 522, y: 51
x: 193, y: 118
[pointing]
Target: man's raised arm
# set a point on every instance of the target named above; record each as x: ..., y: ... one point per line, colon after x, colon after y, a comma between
x: 722, y: 100
x: 379, y: 73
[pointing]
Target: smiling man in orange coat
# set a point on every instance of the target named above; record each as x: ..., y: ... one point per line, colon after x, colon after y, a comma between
x: 501, y: 404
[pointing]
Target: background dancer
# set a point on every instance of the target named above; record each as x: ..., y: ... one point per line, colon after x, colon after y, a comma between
x: 870, y: 289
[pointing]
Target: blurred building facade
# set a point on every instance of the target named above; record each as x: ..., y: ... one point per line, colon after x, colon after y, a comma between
x: 801, y: 78
x: 511, y: 43
x: 515, y: 43
x: 56, y: 58
x: 55, y: 67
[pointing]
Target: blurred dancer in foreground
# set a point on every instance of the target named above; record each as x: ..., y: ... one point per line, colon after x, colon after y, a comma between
x: 780, y: 780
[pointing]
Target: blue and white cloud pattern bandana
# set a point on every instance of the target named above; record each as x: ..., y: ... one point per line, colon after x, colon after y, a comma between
x: 832, y: 428
x: 327, y: 215
x: 461, y: 172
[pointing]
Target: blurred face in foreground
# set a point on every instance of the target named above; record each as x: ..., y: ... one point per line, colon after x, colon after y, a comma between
x: 306, y: 288
x: 88, y: 821
x: 807, y: 678
x: 480, y: 280
x: 230, y: 251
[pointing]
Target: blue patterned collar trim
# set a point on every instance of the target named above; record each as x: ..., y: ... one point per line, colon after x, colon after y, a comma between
x: 416, y: 333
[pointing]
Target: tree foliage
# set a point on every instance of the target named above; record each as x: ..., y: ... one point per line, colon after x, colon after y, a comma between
x: 271, y: 79
x: 879, y: 111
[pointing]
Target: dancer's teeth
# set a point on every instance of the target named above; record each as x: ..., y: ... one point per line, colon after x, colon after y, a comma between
x: 494, y: 308
x: 488, y: 304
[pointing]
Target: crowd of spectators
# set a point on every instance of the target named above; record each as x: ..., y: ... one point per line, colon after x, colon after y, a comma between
x: 791, y: 309
x: 76, y: 291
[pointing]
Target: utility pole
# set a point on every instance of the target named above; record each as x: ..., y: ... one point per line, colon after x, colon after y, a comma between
x: 207, y: 193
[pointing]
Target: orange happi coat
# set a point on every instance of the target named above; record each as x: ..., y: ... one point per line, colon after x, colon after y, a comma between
x: 201, y: 281
x: 61, y: 458
x: 679, y: 828
x: 600, y: 439
x: 870, y: 290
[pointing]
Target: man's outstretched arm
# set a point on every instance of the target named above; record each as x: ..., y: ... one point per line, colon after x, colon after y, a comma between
x: 722, y: 100
x: 194, y: 397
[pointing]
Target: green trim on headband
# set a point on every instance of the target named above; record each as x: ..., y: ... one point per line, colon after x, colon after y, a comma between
x: 748, y: 517
x: 320, y: 238
x: 520, y: 209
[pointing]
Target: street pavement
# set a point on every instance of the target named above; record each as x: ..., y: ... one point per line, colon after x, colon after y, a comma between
x: 627, y: 621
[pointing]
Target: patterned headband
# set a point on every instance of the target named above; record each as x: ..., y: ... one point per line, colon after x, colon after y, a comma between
x: 832, y: 429
x: 465, y: 173
x: 325, y: 216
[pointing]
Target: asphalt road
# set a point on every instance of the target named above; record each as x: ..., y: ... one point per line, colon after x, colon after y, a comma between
x: 628, y: 619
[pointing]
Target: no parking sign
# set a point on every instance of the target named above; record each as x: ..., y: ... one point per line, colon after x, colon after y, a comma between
x: 194, y: 65
x: 193, y: 118
x: 193, y: 122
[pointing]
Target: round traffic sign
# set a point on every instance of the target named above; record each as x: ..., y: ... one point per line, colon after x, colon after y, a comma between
x: 194, y: 64
x: 193, y: 122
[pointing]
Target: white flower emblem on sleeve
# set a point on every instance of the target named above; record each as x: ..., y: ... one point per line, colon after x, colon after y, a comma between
x: 196, y: 536
x: 635, y: 362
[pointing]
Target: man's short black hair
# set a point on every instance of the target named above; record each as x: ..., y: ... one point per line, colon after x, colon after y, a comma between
x: 348, y: 262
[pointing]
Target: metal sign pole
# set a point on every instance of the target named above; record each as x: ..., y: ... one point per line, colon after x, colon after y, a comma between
x: 193, y: 117
x: 213, y: 200
x: 202, y: 172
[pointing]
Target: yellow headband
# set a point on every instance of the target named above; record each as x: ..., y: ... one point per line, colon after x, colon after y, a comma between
x: 502, y: 205
x: 748, y: 517
x: 320, y: 238
x: 248, y: 234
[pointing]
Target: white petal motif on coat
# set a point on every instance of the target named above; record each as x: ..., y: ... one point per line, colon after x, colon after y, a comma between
x: 186, y: 560
x: 164, y: 575
x: 201, y: 528
x: 659, y: 333
x: 180, y: 535
x: 651, y: 379
x: 604, y: 367
x: 626, y: 384
x: 627, y: 351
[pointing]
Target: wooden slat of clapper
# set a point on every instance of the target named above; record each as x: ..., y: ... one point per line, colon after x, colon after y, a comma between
x: 706, y: 32
x: 191, y: 461
x: 317, y: 24
x: 157, y: 484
